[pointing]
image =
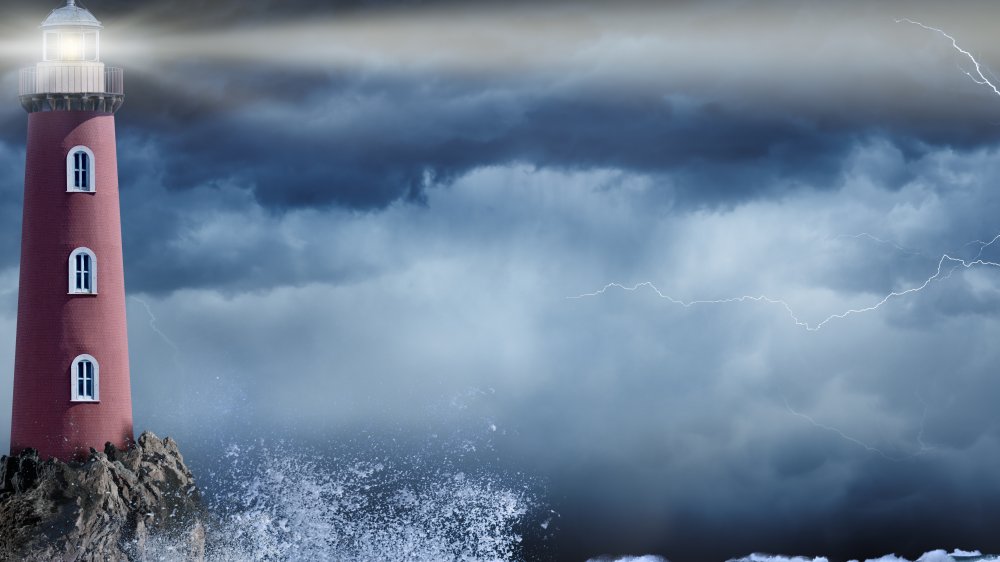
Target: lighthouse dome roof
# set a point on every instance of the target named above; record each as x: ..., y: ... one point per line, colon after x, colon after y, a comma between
x: 71, y: 15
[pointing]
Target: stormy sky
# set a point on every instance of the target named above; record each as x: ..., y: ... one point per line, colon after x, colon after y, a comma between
x: 365, y: 218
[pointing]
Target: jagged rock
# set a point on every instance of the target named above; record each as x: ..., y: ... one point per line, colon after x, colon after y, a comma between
x: 109, y: 508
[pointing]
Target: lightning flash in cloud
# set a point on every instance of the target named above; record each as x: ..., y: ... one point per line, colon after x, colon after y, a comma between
x: 156, y: 329
x: 946, y: 266
x: 923, y: 447
x: 891, y: 244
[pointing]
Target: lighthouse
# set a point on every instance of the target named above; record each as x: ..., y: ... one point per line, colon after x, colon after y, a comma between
x: 71, y: 371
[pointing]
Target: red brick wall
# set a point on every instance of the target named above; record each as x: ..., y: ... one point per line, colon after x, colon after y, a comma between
x: 53, y: 327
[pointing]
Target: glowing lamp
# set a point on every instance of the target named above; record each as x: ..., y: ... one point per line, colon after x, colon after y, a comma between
x: 71, y: 34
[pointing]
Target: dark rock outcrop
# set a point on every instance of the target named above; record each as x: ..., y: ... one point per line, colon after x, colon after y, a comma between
x: 118, y: 505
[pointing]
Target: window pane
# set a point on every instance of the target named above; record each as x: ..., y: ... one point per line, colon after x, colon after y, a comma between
x: 84, y: 170
x: 85, y: 379
x: 83, y: 274
x: 90, y: 46
x: 52, y: 45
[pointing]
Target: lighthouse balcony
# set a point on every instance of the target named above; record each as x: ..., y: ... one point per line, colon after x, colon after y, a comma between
x: 72, y: 87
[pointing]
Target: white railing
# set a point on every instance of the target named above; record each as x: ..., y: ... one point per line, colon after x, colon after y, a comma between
x: 72, y: 79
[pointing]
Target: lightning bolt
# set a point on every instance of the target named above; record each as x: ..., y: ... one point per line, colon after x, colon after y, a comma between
x: 942, y: 272
x: 924, y: 448
x: 983, y: 245
x: 889, y: 243
x: 156, y: 329
x: 978, y: 77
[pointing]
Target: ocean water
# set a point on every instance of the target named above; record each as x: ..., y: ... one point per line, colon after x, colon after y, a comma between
x: 286, y: 504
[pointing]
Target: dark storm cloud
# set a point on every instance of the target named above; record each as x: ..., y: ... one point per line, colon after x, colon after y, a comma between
x: 364, y: 138
x: 403, y: 135
x: 283, y: 133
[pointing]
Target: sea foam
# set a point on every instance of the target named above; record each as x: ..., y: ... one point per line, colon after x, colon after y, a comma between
x: 293, y: 506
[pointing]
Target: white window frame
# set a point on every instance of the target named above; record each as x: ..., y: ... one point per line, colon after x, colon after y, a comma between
x: 71, y: 170
x: 74, y: 381
x: 73, y: 290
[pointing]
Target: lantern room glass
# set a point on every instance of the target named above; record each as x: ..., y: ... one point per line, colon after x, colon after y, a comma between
x: 70, y: 45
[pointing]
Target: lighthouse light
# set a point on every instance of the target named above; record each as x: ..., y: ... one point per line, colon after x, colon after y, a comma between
x: 70, y: 46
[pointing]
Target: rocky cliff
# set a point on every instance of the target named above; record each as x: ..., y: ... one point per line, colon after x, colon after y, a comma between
x: 136, y: 504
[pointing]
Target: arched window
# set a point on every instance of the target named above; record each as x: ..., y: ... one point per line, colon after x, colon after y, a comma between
x: 83, y: 272
x: 80, y: 169
x: 85, y: 379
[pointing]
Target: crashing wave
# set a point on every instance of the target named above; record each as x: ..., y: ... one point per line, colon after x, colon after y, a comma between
x: 292, y: 506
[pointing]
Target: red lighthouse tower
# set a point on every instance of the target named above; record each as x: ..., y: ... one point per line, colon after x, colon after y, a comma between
x: 71, y: 374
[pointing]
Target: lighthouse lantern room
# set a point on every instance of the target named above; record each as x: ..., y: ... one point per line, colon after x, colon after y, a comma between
x: 71, y: 34
x: 71, y: 64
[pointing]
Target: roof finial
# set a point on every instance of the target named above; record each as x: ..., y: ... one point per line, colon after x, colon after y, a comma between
x: 70, y: 3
